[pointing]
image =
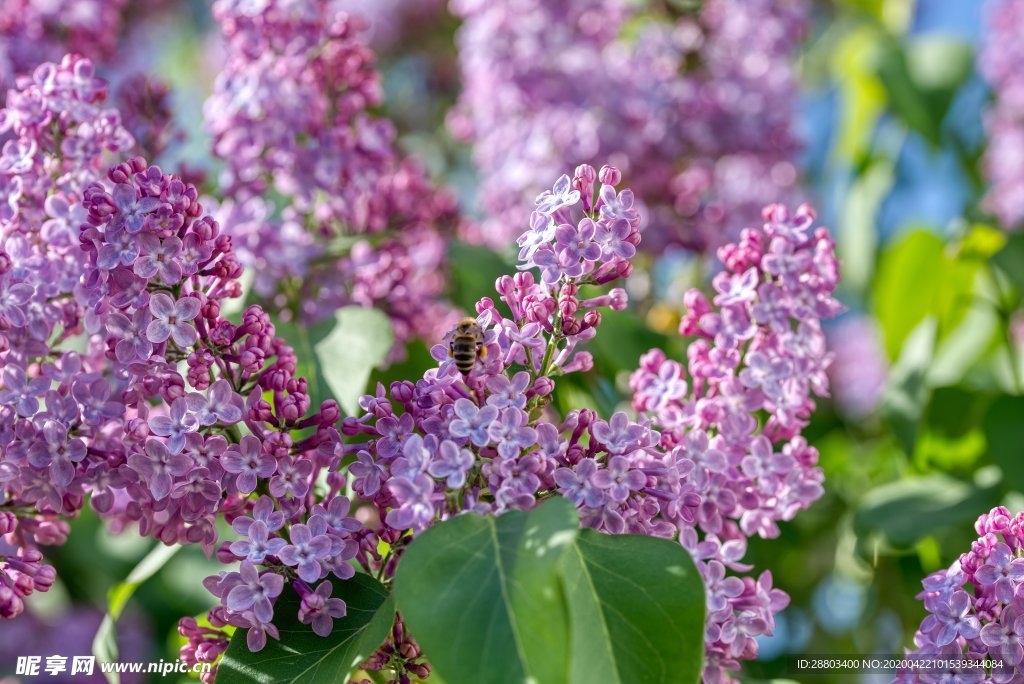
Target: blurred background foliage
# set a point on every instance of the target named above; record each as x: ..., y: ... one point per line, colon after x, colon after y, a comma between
x: 925, y: 432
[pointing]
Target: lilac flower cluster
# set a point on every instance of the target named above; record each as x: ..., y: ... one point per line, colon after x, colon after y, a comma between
x: 36, y: 31
x: 696, y: 110
x: 357, y: 224
x: 976, y: 607
x: 231, y: 434
x: 999, y: 60
x: 758, y: 351
x: 481, y: 442
x: 52, y: 400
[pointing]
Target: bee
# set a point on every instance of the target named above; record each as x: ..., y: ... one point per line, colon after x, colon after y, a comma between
x: 467, y: 345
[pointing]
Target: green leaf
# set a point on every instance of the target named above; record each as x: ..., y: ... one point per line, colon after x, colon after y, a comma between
x: 1010, y: 258
x: 907, y: 390
x: 474, y: 270
x: 906, y: 511
x: 483, y: 598
x: 360, y: 341
x: 1004, y: 433
x: 858, y: 239
x: 636, y: 606
x: 922, y: 79
x: 916, y: 279
x: 526, y: 596
x: 302, y: 656
x: 302, y: 339
x: 104, y: 644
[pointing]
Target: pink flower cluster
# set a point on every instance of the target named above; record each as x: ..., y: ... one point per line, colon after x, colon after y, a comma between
x: 696, y: 110
x: 999, y: 60
x: 758, y: 351
x: 976, y: 608
x: 356, y: 224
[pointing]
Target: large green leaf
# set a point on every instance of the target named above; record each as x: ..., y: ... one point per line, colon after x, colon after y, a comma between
x: 360, y: 341
x: 483, y: 598
x: 919, y: 277
x: 637, y: 610
x: 301, y: 656
x: 104, y: 644
x: 858, y: 238
x: 302, y: 339
x: 906, y: 511
x: 1004, y: 434
x: 922, y: 78
x: 907, y: 390
x: 529, y: 597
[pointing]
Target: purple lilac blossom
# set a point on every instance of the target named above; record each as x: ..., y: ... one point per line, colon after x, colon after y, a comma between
x: 758, y: 348
x: 975, y: 608
x: 361, y: 225
x: 999, y: 61
x: 707, y: 99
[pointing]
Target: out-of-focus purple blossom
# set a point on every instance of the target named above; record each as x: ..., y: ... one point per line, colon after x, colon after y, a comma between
x: 361, y: 224
x: 999, y: 61
x: 697, y: 109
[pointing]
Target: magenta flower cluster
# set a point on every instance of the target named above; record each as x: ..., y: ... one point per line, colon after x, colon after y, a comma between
x: 695, y: 109
x: 358, y: 224
x: 758, y: 350
x: 976, y: 608
x: 999, y: 60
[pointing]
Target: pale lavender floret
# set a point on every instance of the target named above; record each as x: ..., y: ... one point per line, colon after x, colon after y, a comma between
x: 575, y: 484
x: 292, y: 477
x: 132, y: 343
x: 159, y: 466
x: 577, y: 243
x: 131, y: 209
x: 320, y: 610
x: 175, y: 426
x: 507, y: 393
x: 336, y: 516
x: 451, y: 464
x: 415, y: 502
x: 13, y: 296
x: 21, y: 392
x: 1003, y: 571
x: 94, y: 399
x: 619, y: 479
x: 620, y: 435
x: 416, y: 455
x: 561, y: 195
x: 57, y: 453
x: 950, y: 618
x: 119, y: 248
x: 160, y: 259
x: 510, y: 434
x: 264, y: 511
x: 305, y: 551
x: 368, y: 474
x: 1005, y: 637
x: 473, y: 422
x: 248, y: 462
x: 173, y: 320
x: 220, y: 405
x: 256, y: 592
